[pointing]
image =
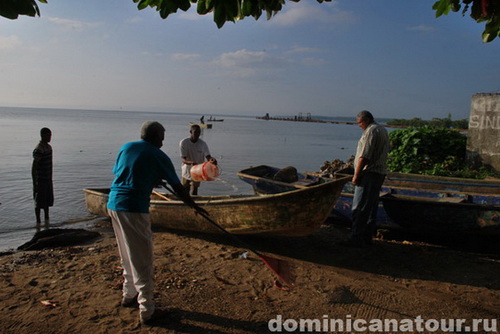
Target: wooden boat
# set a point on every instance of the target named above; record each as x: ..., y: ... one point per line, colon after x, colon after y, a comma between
x: 442, y: 183
x: 213, y: 119
x: 201, y: 125
x: 443, y: 212
x: 294, y: 213
x: 262, y: 179
x: 482, y: 191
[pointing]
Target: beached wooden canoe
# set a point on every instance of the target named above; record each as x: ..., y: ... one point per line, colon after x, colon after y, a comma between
x: 482, y: 192
x: 443, y: 183
x: 439, y: 212
x: 262, y: 179
x: 294, y: 213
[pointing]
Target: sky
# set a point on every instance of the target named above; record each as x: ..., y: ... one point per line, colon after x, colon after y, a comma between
x: 391, y: 57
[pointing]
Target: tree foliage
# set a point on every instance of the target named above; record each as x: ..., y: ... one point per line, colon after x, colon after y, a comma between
x: 233, y: 10
x: 223, y: 10
x: 11, y: 9
x: 480, y: 10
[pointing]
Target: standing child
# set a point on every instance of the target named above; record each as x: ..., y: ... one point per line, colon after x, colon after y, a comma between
x: 41, y: 172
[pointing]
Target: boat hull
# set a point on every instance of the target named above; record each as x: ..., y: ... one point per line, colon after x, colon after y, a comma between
x: 482, y: 193
x: 261, y: 179
x: 447, y: 214
x: 294, y: 213
x: 443, y: 184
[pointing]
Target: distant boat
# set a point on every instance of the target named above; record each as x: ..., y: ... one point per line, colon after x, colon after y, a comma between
x: 294, y: 213
x: 213, y: 119
x: 201, y: 125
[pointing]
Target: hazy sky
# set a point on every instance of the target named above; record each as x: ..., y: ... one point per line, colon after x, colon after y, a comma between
x: 392, y: 57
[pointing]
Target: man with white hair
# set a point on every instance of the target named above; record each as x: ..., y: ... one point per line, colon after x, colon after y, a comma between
x: 370, y: 169
x: 139, y: 167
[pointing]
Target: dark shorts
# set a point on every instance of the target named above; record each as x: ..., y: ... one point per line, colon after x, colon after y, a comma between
x: 187, y: 183
x: 44, y: 196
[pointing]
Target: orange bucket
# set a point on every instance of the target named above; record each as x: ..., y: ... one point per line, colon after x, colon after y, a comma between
x: 206, y: 171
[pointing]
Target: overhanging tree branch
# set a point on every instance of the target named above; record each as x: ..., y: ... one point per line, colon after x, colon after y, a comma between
x: 11, y: 9
x: 487, y: 11
x: 223, y: 10
x: 480, y: 10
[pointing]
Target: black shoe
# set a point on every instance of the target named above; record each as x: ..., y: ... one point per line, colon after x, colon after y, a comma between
x: 130, y: 302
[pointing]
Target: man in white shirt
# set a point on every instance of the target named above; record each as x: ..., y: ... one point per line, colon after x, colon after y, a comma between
x: 370, y: 169
x: 193, y: 151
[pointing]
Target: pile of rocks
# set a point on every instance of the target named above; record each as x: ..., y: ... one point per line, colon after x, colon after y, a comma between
x: 330, y: 168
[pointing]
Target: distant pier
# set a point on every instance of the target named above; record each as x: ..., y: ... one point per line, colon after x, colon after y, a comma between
x: 301, y: 118
x: 308, y: 118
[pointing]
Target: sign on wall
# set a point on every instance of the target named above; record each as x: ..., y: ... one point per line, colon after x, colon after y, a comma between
x: 483, y: 138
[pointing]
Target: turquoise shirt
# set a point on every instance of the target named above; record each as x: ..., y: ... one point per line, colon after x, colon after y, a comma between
x: 139, y: 167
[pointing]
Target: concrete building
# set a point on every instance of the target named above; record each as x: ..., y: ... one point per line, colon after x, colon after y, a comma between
x: 483, y: 138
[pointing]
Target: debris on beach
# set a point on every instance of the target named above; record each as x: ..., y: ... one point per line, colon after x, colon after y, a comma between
x: 49, y: 303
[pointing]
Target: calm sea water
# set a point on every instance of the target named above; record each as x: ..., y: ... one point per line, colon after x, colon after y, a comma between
x: 85, y: 143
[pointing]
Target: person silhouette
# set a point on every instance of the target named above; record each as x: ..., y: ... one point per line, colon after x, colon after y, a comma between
x: 41, y: 172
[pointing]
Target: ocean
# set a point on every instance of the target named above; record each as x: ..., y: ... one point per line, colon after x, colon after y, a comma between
x: 85, y: 143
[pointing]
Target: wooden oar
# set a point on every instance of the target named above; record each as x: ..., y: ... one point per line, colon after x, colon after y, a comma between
x: 282, y: 269
x: 161, y: 196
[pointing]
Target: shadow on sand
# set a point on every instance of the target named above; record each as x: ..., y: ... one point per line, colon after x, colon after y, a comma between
x: 401, y: 255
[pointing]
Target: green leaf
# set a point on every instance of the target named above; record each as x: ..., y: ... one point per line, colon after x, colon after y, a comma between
x: 201, y: 7
x: 219, y: 14
x: 184, y: 5
x: 491, y: 31
x: 247, y: 8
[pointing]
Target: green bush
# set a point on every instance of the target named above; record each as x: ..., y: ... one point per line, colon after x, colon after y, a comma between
x: 432, y: 151
x: 427, y: 150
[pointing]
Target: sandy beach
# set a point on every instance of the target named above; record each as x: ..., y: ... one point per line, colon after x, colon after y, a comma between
x: 209, y: 287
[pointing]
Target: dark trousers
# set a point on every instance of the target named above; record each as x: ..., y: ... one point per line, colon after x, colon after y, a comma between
x: 365, y: 205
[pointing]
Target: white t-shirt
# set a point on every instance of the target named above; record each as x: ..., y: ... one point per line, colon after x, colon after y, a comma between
x: 196, y: 152
x: 374, y: 146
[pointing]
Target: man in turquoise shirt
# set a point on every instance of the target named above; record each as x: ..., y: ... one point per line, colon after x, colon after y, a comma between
x: 139, y: 167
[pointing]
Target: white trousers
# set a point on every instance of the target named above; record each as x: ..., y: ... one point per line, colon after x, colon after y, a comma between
x: 135, y: 244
